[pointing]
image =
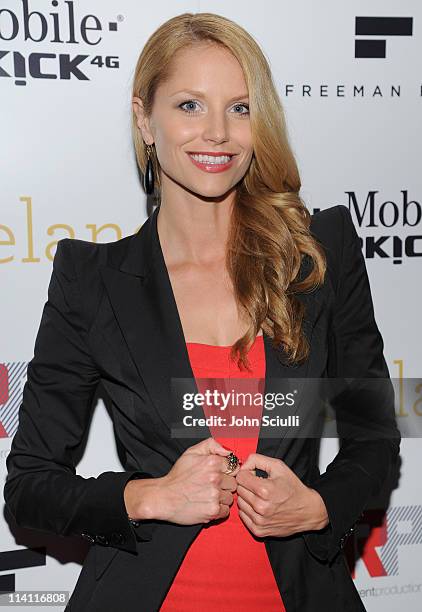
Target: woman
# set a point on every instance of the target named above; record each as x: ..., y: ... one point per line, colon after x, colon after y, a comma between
x: 229, y: 278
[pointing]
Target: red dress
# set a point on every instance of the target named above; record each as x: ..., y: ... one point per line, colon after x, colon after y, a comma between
x: 226, y: 568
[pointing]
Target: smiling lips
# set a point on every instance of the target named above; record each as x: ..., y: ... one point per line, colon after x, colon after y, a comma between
x: 212, y: 162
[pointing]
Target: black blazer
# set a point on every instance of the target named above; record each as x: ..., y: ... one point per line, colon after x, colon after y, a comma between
x: 111, y: 319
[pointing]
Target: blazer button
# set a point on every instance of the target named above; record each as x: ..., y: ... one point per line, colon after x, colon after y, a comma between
x: 88, y: 537
x: 117, y: 538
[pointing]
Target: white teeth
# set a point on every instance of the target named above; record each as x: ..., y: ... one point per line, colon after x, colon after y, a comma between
x: 222, y: 159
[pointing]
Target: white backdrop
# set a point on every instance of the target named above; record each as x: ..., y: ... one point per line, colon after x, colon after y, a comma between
x: 67, y: 167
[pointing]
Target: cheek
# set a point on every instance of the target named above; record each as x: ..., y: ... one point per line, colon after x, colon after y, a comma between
x: 176, y: 131
x: 244, y: 138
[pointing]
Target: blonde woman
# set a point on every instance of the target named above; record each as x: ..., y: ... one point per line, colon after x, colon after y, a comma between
x: 230, y: 278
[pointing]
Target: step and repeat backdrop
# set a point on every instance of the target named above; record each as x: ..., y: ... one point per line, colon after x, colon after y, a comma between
x: 349, y: 76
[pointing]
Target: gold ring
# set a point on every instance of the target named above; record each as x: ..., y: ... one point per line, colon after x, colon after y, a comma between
x: 232, y: 463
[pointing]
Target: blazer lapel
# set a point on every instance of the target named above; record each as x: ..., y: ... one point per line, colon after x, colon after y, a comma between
x: 143, y: 303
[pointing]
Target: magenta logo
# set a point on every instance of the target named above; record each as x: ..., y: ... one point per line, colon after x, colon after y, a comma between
x: 62, y: 27
x: 12, y: 380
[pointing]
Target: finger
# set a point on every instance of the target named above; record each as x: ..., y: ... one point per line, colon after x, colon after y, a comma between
x: 245, y: 518
x: 262, y: 462
x: 247, y: 509
x: 217, y: 448
x: 224, y: 511
x: 249, y: 497
x: 247, y: 515
x: 255, y: 484
x: 207, y: 447
x: 226, y: 498
x: 229, y: 482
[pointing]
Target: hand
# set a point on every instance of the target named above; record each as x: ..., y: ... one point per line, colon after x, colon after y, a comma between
x: 195, y: 490
x: 279, y: 505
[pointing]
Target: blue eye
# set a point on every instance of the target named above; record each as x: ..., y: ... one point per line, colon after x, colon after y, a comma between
x: 192, y: 112
x: 245, y: 106
x: 187, y: 102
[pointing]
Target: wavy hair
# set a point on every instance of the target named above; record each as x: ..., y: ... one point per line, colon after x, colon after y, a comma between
x: 269, y: 234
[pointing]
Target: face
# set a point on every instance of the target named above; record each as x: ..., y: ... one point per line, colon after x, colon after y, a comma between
x: 202, y: 109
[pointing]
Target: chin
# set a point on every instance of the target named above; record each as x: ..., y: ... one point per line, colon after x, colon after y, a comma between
x: 212, y: 192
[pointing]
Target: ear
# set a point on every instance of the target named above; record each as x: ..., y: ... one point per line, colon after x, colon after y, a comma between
x: 142, y: 120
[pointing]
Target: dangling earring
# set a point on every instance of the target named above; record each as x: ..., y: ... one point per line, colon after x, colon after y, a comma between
x: 149, y: 173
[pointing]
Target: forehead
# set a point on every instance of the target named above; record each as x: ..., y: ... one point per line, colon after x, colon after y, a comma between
x: 206, y: 67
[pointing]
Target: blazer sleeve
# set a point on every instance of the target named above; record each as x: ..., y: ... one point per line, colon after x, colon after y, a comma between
x: 365, y: 412
x: 42, y: 490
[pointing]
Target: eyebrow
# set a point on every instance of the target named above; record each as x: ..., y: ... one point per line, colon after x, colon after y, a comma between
x: 201, y: 94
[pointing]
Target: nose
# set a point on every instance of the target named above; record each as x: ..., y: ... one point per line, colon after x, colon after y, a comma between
x: 215, y: 128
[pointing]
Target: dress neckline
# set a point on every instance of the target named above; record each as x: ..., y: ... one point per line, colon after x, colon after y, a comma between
x: 222, y: 346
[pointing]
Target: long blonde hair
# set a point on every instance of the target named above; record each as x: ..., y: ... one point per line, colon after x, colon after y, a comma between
x: 269, y: 230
